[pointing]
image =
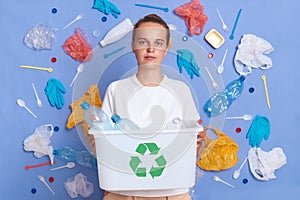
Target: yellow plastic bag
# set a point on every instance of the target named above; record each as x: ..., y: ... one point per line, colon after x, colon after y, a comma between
x: 218, y: 154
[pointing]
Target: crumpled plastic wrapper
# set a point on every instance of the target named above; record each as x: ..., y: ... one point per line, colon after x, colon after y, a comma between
x: 78, y: 47
x: 78, y: 185
x: 193, y: 15
x: 40, y: 37
x: 263, y: 164
x: 39, y: 142
x: 251, y: 53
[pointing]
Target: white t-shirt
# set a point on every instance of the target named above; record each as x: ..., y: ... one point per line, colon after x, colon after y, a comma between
x: 150, y: 107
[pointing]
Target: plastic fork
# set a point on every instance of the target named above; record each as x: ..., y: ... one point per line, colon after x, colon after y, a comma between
x: 42, y: 179
x: 215, y: 85
x: 79, y: 17
x: 38, y: 100
x: 224, y: 26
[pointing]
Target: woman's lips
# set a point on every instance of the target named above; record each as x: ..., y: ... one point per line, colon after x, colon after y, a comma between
x: 150, y: 57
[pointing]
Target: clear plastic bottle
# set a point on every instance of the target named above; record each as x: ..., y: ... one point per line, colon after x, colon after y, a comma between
x: 117, y: 32
x: 96, y: 117
x: 82, y: 157
x: 221, y: 101
x: 123, y: 124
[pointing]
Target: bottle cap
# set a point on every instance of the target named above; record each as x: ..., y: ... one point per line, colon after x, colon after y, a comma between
x: 84, y: 105
x: 115, y: 118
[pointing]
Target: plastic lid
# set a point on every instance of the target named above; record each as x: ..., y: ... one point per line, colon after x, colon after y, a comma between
x: 84, y: 105
x: 115, y: 118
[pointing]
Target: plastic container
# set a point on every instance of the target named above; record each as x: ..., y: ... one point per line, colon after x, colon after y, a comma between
x: 96, y: 117
x: 123, y: 124
x: 221, y: 101
x: 117, y: 32
x: 83, y: 158
x: 149, y: 162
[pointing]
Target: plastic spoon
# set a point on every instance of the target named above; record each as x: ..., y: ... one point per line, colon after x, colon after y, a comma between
x: 215, y: 85
x: 68, y: 165
x: 42, y: 179
x: 237, y: 172
x: 221, y: 66
x: 22, y: 104
x: 79, y: 17
x: 150, y: 6
x: 80, y: 68
x: 231, y: 37
x: 244, y: 117
x: 38, y: 100
x: 224, y: 26
x: 216, y: 178
x: 38, y: 68
x: 27, y: 167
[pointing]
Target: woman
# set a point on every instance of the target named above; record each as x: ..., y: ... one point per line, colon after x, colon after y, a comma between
x: 149, y: 98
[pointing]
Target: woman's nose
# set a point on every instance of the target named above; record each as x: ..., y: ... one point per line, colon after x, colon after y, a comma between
x: 150, y: 48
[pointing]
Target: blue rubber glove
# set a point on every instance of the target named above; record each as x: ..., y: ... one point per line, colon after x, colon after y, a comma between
x: 106, y: 7
x: 259, y: 129
x: 54, y: 91
x: 185, y: 58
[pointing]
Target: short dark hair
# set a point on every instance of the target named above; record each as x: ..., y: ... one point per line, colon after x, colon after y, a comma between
x: 155, y: 19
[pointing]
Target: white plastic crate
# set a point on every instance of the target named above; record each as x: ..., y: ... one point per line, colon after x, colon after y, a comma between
x: 145, y: 160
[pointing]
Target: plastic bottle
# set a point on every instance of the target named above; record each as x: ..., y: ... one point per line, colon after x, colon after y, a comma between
x: 117, y: 32
x: 124, y: 124
x: 96, y: 117
x: 221, y: 101
x: 83, y: 157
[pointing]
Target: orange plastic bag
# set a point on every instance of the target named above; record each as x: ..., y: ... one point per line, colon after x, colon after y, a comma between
x: 218, y: 154
x: 193, y: 15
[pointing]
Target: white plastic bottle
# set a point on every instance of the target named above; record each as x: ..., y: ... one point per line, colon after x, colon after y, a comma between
x: 117, y: 32
x: 96, y: 117
x: 124, y: 124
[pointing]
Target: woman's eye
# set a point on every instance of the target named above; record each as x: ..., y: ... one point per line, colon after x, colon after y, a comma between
x: 142, y: 43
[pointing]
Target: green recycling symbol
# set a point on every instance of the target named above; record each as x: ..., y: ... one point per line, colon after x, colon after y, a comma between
x: 160, y: 162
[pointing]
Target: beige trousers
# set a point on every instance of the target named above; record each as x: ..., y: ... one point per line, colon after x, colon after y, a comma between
x: 113, y: 196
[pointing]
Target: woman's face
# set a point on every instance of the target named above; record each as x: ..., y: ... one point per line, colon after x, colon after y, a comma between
x: 150, y: 43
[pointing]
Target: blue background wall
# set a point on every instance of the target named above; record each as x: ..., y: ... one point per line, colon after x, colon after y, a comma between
x: 275, y: 21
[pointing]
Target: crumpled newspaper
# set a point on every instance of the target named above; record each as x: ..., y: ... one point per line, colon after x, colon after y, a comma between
x: 39, y: 142
x: 79, y: 185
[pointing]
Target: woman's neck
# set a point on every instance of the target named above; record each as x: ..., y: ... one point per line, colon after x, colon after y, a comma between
x: 149, y: 77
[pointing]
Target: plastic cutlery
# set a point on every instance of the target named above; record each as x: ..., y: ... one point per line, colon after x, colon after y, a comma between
x: 27, y: 167
x: 218, y: 179
x: 150, y: 6
x: 79, y: 17
x: 68, y: 165
x: 244, y: 117
x: 22, y: 104
x: 42, y: 179
x: 80, y: 68
x: 237, y: 172
x: 231, y: 37
x: 220, y: 68
x: 264, y: 78
x: 224, y: 26
x: 113, y: 52
x: 38, y: 100
x: 49, y: 69
x: 215, y: 85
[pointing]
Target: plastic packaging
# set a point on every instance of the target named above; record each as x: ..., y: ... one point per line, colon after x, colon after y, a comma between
x: 79, y: 185
x: 221, y: 101
x: 124, y: 124
x: 83, y: 158
x: 40, y: 37
x: 95, y: 117
x: 39, y: 142
x: 117, y: 32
